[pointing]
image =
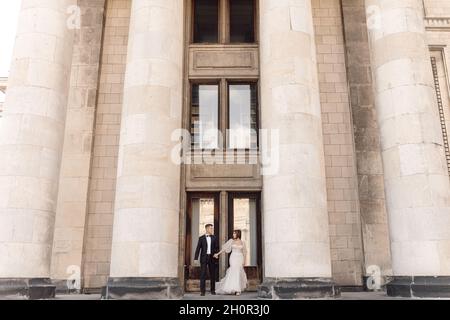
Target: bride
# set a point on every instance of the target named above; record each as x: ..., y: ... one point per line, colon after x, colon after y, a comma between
x: 235, y: 280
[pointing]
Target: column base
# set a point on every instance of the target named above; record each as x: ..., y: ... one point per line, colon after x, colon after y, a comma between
x: 419, y: 287
x: 143, y: 289
x: 33, y: 289
x: 298, y: 288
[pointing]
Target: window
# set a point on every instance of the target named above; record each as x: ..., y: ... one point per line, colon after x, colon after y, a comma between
x: 224, y: 21
x: 205, y: 116
x: 211, y: 116
x: 243, y: 117
x: 242, y: 21
x: 206, y: 21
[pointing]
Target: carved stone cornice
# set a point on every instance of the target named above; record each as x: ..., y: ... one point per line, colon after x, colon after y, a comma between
x: 437, y: 23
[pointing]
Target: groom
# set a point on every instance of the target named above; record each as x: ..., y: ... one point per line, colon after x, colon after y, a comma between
x: 208, y: 245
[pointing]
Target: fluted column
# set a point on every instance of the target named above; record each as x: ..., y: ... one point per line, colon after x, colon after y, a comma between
x: 416, y: 177
x: 146, y: 223
x: 297, y: 250
x: 31, y: 139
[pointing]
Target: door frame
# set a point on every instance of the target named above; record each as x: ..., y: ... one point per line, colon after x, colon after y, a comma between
x: 189, y: 236
x: 257, y: 197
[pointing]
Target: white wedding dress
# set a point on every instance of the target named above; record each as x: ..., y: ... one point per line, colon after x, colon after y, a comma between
x: 235, y: 280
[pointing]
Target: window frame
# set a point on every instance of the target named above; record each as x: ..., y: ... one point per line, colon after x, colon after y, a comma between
x: 254, y: 196
x: 228, y: 24
x: 224, y: 110
x: 190, y: 238
x: 216, y: 82
x: 193, y: 23
x: 229, y: 83
x: 224, y: 25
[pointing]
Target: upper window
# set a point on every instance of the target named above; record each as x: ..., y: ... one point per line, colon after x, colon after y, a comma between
x: 206, y: 21
x: 242, y: 21
x: 224, y: 21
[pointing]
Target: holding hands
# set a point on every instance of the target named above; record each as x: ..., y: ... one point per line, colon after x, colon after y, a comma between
x: 217, y: 255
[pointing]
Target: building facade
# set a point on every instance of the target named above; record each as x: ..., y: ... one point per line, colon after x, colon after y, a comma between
x: 317, y: 127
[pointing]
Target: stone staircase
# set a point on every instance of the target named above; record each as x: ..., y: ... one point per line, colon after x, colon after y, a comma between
x: 193, y: 286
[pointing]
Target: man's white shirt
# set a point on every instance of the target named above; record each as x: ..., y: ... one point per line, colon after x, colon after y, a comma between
x: 208, y: 240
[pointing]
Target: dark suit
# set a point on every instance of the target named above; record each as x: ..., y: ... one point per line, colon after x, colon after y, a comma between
x: 207, y: 261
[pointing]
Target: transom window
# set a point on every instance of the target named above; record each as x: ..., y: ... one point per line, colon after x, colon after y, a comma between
x: 224, y: 21
x: 242, y: 21
x: 224, y: 113
x: 206, y: 17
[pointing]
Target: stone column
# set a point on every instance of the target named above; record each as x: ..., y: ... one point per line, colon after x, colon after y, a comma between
x: 146, y: 223
x: 296, y: 237
x: 73, y: 195
x: 31, y: 139
x: 372, y: 195
x: 416, y: 177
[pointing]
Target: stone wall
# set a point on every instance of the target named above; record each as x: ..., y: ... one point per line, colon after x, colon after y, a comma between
x: 102, y: 186
x: 439, y: 42
x: 343, y: 206
x: 437, y: 8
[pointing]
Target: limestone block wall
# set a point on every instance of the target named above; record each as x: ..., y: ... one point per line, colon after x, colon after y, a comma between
x: 437, y: 8
x: 375, y: 233
x: 439, y: 43
x: 439, y: 39
x: 340, y: 161
x: 76, y: 159
x: 98, y: 239
x: 442, y: 93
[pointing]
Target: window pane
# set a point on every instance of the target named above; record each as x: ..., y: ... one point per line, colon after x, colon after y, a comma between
x: 243, y: 117
x: 202, y: 214
x: 205, y: 116
x: 244, y: 212
x: 242, y: 21
x: 206, y: 21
